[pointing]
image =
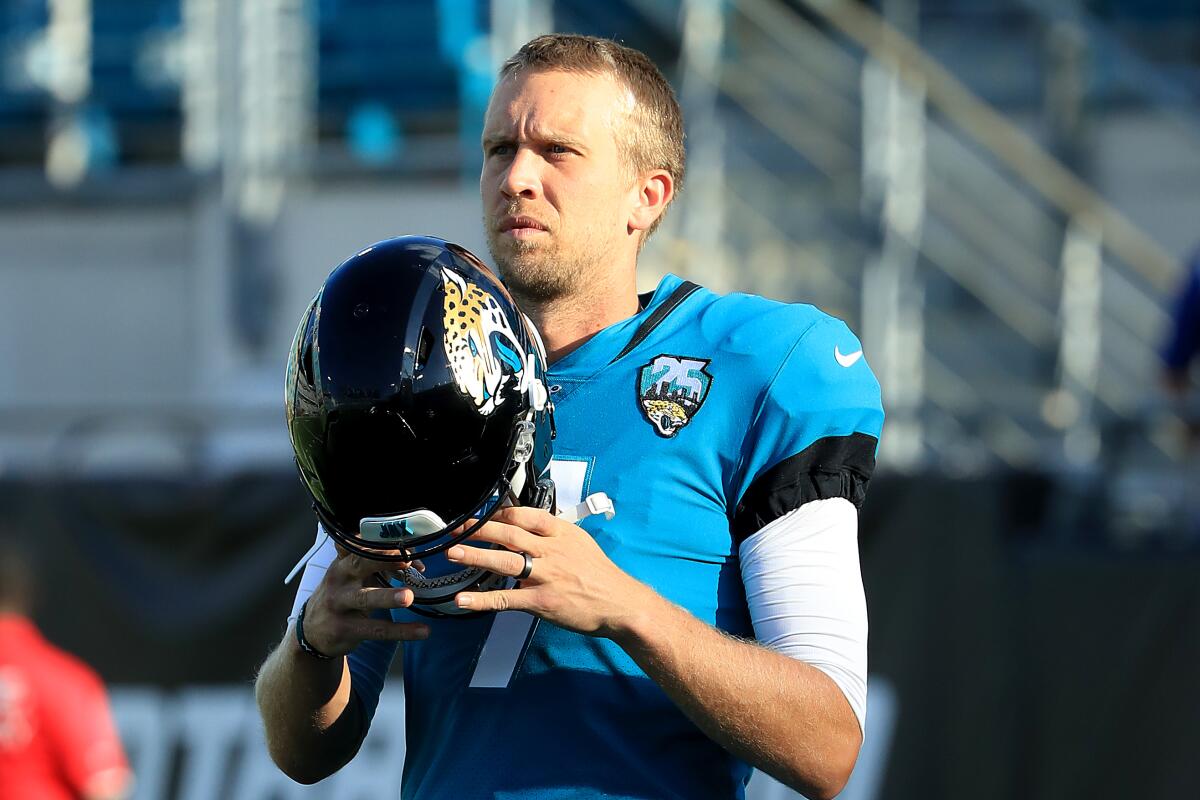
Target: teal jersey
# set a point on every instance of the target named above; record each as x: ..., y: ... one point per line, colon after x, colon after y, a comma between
x: 703, y: 418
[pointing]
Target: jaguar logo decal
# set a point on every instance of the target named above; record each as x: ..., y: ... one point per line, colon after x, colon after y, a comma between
x: 482, y: 349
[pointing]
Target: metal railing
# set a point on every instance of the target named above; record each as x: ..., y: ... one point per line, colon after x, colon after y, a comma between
x: 1073, y: 291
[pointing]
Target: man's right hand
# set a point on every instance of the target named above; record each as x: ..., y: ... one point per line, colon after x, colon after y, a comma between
x: 338, y: 614
x: 311, y: 725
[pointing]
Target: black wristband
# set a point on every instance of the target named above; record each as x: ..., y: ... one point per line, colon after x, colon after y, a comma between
x: 304, y: 645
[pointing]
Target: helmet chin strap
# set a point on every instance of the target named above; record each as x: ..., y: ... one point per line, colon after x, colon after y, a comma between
x: 595, y: 503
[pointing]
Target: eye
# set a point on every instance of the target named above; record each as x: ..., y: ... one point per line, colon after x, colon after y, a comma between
x: 500, y: 150
x: 559, y: 149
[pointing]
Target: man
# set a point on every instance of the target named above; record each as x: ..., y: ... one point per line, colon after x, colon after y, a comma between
x: 57, y: 738
x: 717, y: 621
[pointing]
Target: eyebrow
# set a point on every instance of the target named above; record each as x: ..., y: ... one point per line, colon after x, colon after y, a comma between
x: 492, y: 139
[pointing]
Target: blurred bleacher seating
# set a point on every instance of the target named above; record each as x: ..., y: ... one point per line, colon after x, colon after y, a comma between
x: 795, y: 109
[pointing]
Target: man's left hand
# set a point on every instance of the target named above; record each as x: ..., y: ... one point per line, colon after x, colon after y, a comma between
x: 573, y: 584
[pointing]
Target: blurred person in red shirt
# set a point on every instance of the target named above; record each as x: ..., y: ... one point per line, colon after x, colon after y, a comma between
x: 57, y: 737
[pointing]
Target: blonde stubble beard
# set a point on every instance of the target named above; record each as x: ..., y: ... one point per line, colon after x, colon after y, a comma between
x: 538, y: 273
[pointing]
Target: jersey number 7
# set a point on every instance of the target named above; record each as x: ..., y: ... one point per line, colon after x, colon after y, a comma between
x: 504, y: 648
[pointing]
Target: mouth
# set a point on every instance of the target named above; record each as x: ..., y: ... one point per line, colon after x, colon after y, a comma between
x: 521, y: 226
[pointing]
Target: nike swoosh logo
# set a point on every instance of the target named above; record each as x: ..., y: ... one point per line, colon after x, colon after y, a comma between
x: 848, y: 359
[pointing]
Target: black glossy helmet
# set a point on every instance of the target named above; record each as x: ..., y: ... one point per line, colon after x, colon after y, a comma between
x: 416, y: 402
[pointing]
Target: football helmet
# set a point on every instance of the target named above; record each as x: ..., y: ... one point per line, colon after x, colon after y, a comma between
x: 416, y: 405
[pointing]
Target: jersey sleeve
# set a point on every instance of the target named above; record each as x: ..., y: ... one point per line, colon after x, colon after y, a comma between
x: 815, y: 432
x: 369, y: 664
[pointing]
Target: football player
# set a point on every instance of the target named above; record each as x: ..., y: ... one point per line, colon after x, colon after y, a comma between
x: 716, y: 622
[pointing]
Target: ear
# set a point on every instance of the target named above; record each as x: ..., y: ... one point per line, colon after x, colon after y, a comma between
x: 655, y: 190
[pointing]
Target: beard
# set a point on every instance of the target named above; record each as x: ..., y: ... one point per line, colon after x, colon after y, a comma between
x: 541, y: 271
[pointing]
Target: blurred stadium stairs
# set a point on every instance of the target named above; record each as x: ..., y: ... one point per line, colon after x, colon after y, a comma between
x: 913, y: 172
x: 1011, y: 311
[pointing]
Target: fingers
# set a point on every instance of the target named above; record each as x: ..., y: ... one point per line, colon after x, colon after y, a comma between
x: 534, y: 520
x: 342, y: 634
x: 501, y: 562
x: 339, y: 618
x: 387, y: 631
x: 367, y: 599
x: 362, y: 568
x: 508, y: 536
x: 497, y: 600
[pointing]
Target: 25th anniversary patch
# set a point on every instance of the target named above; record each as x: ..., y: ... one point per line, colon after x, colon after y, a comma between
x: 671, y: 390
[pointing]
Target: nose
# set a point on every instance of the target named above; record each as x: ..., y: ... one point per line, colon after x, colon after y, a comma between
x: 521, y: 178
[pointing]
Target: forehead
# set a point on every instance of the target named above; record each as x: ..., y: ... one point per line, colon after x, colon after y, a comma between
x: 554, y: 101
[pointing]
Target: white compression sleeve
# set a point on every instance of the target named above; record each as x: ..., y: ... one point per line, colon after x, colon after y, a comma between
x: 314, y: 570
x: 805, y: 593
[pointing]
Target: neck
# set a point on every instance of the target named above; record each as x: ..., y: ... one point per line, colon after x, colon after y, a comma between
x: 566, y: 323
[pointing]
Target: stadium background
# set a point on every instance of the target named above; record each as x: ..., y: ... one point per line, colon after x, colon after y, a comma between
x: 997, y: 195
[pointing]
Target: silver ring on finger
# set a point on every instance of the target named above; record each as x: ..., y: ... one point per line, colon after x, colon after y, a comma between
x: 527, y: 569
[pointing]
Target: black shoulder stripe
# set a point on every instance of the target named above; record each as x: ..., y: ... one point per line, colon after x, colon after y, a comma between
x: 836, y: 466
x: 682, y: 292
